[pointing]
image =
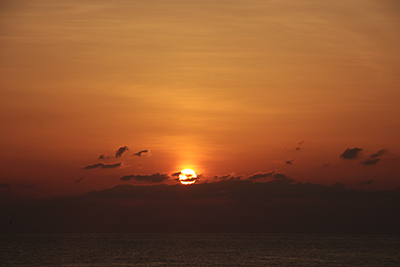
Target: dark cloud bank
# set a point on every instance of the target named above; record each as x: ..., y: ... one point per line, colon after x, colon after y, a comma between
x: 280, y: 205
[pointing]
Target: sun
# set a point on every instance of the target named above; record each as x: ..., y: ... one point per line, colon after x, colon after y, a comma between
x: 187, y: 177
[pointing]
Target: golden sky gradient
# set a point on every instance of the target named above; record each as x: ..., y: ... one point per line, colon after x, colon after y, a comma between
x: 217, y: 86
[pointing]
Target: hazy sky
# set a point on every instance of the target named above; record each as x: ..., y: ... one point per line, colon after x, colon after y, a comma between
x: 305, y: 89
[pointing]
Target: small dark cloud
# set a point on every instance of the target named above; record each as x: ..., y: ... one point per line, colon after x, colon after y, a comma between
x: 351, y: 153
x: 379, y: 153
x: 140, y: 152
x: 300, y: 143
x: 4, y: 185
x: 154, y: 178
x: 261, y: 175
x: 298, y: 148
x: 230, y: 176
x: 370, y: 161
x: 289, y: 162
x: 326, y: 165
x: 104, y: 157
x: 120, y: 151
x: 365, y: 182
x: 80, y: 179
x: 176, y: 174
x: 101, y: 165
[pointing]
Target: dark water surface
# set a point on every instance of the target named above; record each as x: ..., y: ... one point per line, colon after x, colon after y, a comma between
x: 198, y: 250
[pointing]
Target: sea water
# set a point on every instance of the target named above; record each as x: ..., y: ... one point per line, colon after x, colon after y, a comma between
x: 198, y: 250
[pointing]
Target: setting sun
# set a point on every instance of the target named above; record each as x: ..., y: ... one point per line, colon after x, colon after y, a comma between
x: 187, y: 177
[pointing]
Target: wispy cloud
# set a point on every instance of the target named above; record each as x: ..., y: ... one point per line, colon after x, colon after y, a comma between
x: 379, y: 153
x: 101, y: 165
x: 80, y: 179
x: 370, y: 161
x: 140, y: 153
x: 154, y: 178
x: 261, y: 175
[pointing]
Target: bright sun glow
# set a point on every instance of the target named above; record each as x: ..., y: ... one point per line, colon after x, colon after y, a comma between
x: 187, y: 176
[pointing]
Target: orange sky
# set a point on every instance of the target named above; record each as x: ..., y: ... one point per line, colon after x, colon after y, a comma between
x: 218, y: 86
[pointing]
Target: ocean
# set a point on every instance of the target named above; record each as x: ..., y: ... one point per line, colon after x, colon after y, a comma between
x: 83, y: 250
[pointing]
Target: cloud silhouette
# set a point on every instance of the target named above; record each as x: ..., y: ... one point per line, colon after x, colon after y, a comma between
x: 365, y: 182
x: 80, y: 179
x: 370, y: 161
x: 379, y: 153
x: 140, y: 152
x: 101, y: 165
x: 154, y: 178
x: 120, y: 151
x: 351, y: 153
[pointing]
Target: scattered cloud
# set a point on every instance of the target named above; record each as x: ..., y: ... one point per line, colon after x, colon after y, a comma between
x: 379, y: 153
x: 154, y: 178
x: 300, y: 143
x: 365, y: 182
x: 140, y: 153
x: 120, y: 151
x: 101, y: 165
x: 370, y: 161
x: 80, y: 179
x: 351, y: 153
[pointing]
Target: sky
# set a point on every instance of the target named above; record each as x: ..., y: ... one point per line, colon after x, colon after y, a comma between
x: 278, y: 106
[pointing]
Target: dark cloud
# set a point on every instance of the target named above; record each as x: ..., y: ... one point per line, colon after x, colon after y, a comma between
x: 154, y: 178
x: 273, y: 174
x: 140, y: 152
x: 370, y: 161
x: 365, y: 182
x: 289, y: 162
x: 80, y: 179
x: 230, y: 206
x: 351, y: 153
x: 261, y: 175
x: 300, y: 143
x: 4, y: 185
x: 101, y: 165
x: 298, y: 148
x: 104, y: 157
x: 379, y: 153
x: 120, y: 151
x: 176, y: 174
